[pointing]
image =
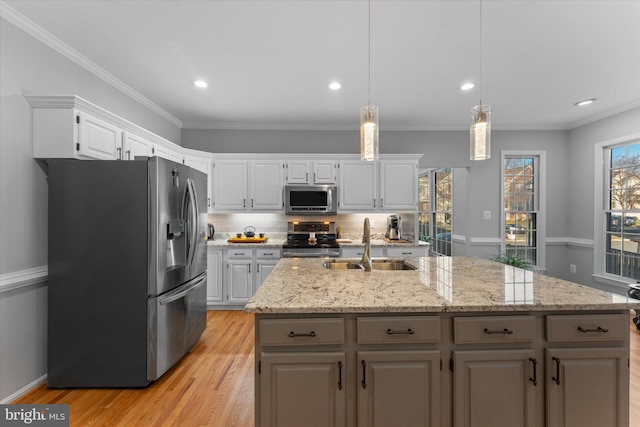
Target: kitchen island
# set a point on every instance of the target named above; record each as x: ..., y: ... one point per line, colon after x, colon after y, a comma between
x: 455, y: 342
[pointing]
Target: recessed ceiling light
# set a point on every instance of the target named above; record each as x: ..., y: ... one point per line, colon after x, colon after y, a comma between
x: 584, y: 102
x: 200, y: 83
x: 467, y: 86
x: 335, y: 85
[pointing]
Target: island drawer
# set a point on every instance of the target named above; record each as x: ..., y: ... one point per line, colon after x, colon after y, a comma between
x: 240, y: 253
x: 596, y: 327
x: 398, y: 329
x: 493, y: 329
x: 315, y: 331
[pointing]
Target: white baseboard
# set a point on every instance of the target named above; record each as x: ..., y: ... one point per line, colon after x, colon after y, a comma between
x: 24, y: 390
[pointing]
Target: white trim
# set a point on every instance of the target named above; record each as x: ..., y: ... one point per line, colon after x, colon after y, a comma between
x: 598, y: 201
x: 24, y: 390
x: 541, y: 197
x: 33, y: 29
x: 485, y: 241
x: 609, y: 113
x: 570, y: 241
x: 458, y: 238
x: 23, y: 278
x: 609, y: 284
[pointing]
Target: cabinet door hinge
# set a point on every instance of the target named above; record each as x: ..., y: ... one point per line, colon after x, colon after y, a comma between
x: 451, y: 365
x: 259, y: 366
x: 78, y: 119
x: 77, y: 146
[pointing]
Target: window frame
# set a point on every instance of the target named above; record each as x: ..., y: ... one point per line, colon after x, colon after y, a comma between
x: 600, y: 206
x: 540, y: 183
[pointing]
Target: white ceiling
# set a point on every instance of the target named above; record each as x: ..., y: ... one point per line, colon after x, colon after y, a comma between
x: 268, y: 63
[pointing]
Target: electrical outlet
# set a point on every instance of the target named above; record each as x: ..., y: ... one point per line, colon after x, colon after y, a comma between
x: 486, y: 214
x: 572, y: 268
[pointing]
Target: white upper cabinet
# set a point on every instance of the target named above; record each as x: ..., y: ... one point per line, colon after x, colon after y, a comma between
x: 398, y: 185
x: 230, y: 185
x: 297, y: 171
x: 266, y: 185
x: 324, y: 172
x: 244, y: 186
x: 310, y: 172
x: 99, y: 139
x: 384, y: 186
x: 358, y: 189
x: 135, y: 146
x: 203, y: 165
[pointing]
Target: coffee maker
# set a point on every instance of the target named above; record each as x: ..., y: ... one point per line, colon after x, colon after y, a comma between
x: 394, y: 227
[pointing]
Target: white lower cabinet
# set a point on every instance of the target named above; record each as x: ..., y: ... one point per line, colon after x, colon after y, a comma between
x: 214, y: 276
x: 240, y: 273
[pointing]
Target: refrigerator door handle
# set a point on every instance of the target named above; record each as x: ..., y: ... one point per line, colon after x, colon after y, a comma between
x: 190, y: 208
x: 181, y: 293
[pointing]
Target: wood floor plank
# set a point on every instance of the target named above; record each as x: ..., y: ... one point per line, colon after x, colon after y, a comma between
x: 211, y: 386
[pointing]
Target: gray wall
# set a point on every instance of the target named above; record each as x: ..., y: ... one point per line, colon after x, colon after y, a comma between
x: 581, y: 197
x: 29, y: 66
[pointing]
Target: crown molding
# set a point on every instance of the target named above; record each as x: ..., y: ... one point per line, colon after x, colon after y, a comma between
x: 604, y: 115
x: 39, y: 33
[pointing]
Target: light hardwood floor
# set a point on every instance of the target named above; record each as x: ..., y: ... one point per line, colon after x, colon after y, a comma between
x: 212, y: 385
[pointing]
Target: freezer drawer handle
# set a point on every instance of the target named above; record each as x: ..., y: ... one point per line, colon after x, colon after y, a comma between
x: 171, y: 298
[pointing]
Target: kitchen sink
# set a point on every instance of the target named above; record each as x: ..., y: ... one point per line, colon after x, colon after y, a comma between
x: 376, y: 264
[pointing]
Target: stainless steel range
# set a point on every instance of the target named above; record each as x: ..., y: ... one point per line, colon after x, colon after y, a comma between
x: 311, y: 239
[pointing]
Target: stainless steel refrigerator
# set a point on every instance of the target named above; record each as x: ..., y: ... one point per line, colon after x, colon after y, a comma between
x: 127, y: 269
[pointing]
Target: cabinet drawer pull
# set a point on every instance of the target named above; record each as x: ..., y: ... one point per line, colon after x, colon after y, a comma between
x: 534, y: 379
x: 294, y: 335
x: 557, y: 377
x: 409, y: 331
x: 598, y: 329
x: 364, y: 374
x: 339, y: 375
x: 504, y: 331
x: 268, y: 254
x: 407, y: 253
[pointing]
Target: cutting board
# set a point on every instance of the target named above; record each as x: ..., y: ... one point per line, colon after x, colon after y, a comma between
x: 397, y: 241
x: 244, y: 239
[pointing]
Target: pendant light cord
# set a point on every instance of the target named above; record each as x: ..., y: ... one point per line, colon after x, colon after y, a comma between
x: 369, y: 59
x: 480, y: 52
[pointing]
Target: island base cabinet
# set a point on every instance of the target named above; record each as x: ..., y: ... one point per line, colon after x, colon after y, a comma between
x: 398, y: 388
x: 586, y: 387
x: 303, y: 389
x: 494, y: 388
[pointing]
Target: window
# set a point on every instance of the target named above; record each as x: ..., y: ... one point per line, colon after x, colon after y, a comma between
x: 424, y: 207
x: 435, y: 199
x: 442, y: 211
x: 521, y: 195
x: 622, y: 210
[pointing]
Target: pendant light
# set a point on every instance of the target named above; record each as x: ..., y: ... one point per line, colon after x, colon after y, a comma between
x: 369, y: 129
x: 480, y: 134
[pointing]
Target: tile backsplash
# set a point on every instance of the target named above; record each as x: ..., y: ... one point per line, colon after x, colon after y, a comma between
x: 275, y: 224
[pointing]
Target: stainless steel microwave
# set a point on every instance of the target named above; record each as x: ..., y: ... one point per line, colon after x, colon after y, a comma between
x: 311, y: 199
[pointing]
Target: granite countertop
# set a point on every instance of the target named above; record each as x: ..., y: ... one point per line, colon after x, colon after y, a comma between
x: 440, y: 284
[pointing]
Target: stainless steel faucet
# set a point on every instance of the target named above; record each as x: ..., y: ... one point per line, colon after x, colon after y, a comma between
x: 366, y: 239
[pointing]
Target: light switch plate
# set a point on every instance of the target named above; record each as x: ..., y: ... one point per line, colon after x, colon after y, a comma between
x: 486, y: 214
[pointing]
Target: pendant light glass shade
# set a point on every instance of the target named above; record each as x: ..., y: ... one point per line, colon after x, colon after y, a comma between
x: 481, y: 132
x: 369, y: 133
